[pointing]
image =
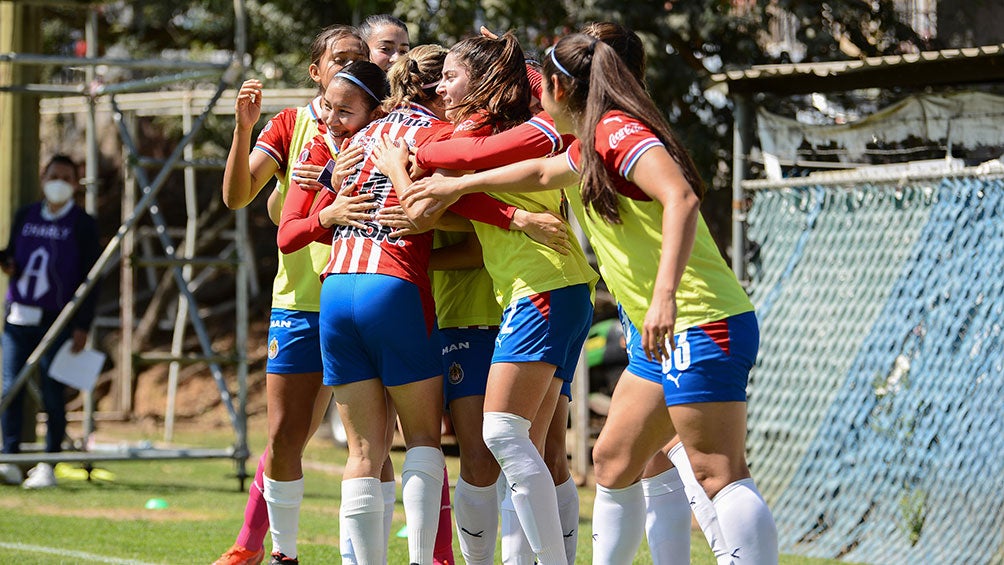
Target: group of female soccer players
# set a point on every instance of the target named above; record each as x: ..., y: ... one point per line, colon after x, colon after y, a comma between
x: 404, y: 292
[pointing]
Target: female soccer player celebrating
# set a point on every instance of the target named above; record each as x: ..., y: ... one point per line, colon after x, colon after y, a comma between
x: 639, y: 205
x: 387, y: 38
x: 294, y: 348
x: 548, y: 311
x: 384, y: 345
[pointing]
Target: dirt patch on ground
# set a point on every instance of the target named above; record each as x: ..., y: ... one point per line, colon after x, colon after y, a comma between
x: 120, y: 514
x: 198, y: 397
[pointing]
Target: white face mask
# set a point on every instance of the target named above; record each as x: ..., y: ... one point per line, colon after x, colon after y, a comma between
x: 57, y: 191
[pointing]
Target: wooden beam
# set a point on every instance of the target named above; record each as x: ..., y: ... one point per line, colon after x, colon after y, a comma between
x: 20, y: 31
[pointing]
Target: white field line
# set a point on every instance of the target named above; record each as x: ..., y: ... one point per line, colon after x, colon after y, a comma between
x: 71, y: 554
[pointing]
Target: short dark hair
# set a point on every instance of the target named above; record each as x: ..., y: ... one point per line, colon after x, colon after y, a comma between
x: 62, y: 159
x: 370, y: 75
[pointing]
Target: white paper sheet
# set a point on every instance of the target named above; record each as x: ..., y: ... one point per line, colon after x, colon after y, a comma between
x: 79, y: 370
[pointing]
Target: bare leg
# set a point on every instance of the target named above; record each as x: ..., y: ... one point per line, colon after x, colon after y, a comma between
x: 420, y: 407
x: 714, y: 434
x: 636, y: 427
x: 475, y: 499
x: 519, y: 404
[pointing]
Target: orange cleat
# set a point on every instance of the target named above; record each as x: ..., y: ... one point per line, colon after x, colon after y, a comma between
x: 240, y: 555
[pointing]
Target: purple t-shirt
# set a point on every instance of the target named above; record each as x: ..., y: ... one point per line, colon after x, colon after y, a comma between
x: 51, y: 257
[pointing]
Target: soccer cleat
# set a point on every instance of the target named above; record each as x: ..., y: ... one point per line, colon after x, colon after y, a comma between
x: 240, y: 555
x: 40, y: 476
x: 10, y: 474
x: 280, y: 559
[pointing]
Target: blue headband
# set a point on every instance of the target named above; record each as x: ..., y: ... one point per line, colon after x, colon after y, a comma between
x: 560, y: 68
x: 358, y: 83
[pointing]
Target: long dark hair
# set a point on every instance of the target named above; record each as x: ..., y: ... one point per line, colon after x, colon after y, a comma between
x: 597, y: 81
x: 498, y: 86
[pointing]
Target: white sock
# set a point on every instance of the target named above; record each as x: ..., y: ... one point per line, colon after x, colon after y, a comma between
x: 700, y: 505
x: 389, y: 490
x: 618, y: 524
x: 476, y: 511
x: 747, y: 524
x: 283, y: 499
x: 422, y: 494
x: 360, y: 521
x: 667, y: 518
x: 568, y: 513
x: 508, y: 438
x: 516, y: 548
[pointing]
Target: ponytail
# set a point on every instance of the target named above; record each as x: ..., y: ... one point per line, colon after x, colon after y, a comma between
x: 597, y: 81
x: 415, y: 75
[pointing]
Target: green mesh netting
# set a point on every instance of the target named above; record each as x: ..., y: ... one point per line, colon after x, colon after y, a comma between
x: 876, y: 408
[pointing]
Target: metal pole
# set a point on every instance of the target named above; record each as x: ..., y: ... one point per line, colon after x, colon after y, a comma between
x: 148, y: 83
x: 241, y: 339
x: 90, y: 180
x: 169, y: 249
x: 243, y: 253
x: 33, y: 59
x: 181, y: 316
x: 742, y: 143
x: 580, y: 418
x: 91, y: 173
x: 579, y: 409
x: 150, y: 191
x: 127, y: 280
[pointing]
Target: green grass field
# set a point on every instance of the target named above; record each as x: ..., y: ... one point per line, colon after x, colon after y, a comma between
x: 105, y: 521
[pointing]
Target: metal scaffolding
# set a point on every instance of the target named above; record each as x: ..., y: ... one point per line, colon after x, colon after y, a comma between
x: 180, y: 260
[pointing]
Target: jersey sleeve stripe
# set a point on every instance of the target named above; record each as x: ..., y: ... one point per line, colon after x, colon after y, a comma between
x: 635, y: 153
x: 571, y: 163
x: 272, y: 152
x: 549, y: 131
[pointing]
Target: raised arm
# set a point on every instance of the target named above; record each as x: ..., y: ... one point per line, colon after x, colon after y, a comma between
x: 245, y: 175
x: 533, y: 175
x: 535, y: 138
x: 424, y: 213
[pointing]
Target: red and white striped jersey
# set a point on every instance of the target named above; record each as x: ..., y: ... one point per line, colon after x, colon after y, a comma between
x: 373, y: 250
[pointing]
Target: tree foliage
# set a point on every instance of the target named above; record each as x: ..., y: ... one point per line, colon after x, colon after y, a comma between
x: 686, y: 41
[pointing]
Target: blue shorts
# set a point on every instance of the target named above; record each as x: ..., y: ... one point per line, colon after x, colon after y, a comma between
x: 549, y: 327
x: 374, y: 327
x: 294, y: 343
x: 466, y: 358
x: 711, y: 362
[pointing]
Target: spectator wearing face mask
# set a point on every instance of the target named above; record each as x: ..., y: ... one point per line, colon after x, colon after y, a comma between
x: 52, y: 246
